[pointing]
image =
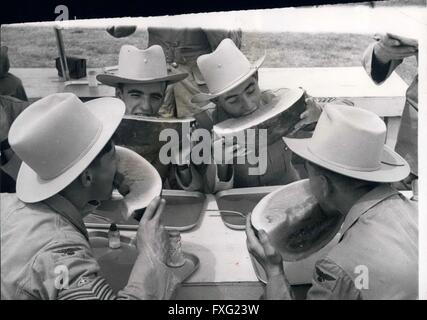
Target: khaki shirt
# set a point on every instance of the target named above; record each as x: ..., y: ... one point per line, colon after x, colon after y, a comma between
x: 45, y: 254
x: 10, y: 85
x: 407, y: 139
x: 10, y: 109
x: 377, y: 256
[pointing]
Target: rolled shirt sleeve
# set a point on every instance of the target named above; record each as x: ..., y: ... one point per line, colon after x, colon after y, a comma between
x: 376, y: 71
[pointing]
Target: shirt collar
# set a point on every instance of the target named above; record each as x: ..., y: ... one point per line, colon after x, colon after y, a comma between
x: 366, y: 202
x: 66, y: 209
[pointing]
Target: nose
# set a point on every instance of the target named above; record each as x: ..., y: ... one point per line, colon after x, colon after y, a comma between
x: 143, y: 107
x: 247, y: 103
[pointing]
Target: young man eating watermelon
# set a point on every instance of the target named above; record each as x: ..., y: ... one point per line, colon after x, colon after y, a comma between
x: 350, y: 172
x: 234, y: 92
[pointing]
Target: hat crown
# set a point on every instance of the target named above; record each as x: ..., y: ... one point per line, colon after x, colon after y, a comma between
x: 142, y: 64
x: 54, y: 133
x: 223, y: 67
x: 349, y: 137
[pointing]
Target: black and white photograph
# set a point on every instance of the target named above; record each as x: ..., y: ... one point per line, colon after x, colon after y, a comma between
x: 258, y: 154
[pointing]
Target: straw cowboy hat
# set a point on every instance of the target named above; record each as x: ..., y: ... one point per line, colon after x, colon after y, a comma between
x: 224, y: 69
x: 57, y: 137
x: 350, y: 141
x: 141, y: 66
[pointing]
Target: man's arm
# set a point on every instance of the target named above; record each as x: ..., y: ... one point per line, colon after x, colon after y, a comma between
x: 377, y: 71
x: 382, y: 57
x: 259, y: 246
x: 67, y: 269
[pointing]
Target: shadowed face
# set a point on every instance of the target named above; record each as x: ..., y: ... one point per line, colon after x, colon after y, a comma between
x: 242, y: 100
x: 142, y: 99
x: 103, y: 170
x: 318, y: 186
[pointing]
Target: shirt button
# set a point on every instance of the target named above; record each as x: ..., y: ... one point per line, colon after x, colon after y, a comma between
x: 174, y: 64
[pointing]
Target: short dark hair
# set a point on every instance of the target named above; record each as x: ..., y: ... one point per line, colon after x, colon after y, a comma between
x: 357, y: 183
x: 107, y: 148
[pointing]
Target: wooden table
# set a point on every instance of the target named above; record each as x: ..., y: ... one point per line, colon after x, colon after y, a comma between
x: 386, y: 100
x: 40, y: 82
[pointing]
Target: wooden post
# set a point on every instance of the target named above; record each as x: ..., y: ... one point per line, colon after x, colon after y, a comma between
x: 61, y: 51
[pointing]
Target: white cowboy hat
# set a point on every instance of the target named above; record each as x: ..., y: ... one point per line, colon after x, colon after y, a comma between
x: 224, y: 69
x: 350, y: 141
x: 57, y: 137
x: 141, y: 66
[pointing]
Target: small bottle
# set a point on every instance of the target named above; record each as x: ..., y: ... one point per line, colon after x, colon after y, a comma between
x: 91, y: 78
x: 113, y: 236
x: 176, y: 257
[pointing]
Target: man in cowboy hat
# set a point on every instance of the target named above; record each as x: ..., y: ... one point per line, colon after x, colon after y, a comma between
x: 69, y: 165
x: 377, y: 254
x: 182, y: 47
x: 233, y: 84
x: 141, y: 82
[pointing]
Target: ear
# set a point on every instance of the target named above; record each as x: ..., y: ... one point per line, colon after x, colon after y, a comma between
x: 324, y: 186
x: 119, y: 93
x: 86, y: 178
x: 255, y: 75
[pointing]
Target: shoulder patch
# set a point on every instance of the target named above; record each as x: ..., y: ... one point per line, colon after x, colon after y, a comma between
x: 84, y: 280
x: 67, y: 251
x: 322, y: 276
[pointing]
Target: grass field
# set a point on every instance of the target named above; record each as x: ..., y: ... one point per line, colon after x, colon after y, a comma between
x: 36, y: 47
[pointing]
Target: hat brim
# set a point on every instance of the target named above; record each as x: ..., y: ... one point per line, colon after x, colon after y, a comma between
x: 203, y: 97
x: 114, y: 80
x: 386, y: 173
x: 31, y: 188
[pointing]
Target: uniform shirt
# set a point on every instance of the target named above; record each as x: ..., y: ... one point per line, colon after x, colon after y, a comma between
x: 11, y: 85
x: 10, y: 108
x: 407, y: 139
x: 45, y: 244
x: 377, y: 256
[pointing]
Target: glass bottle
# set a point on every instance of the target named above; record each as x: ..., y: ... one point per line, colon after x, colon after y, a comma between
x: 176, y: 257
x: 113, y: 236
